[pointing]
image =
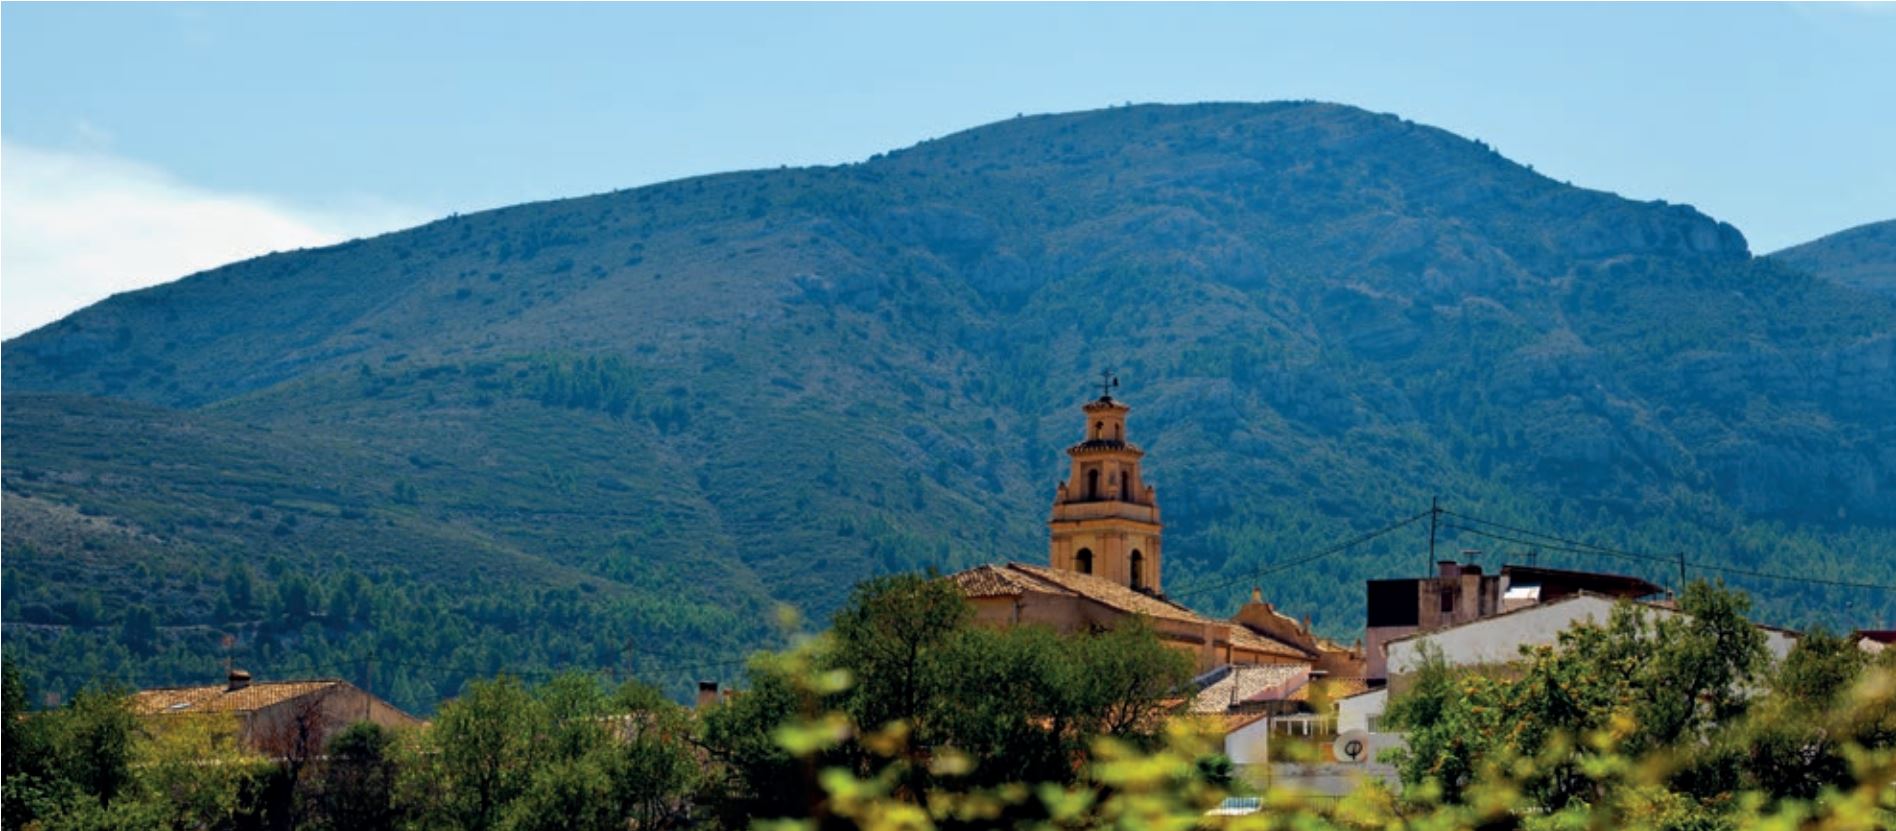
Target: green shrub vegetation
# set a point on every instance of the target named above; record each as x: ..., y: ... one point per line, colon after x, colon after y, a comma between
x: 906, y: 716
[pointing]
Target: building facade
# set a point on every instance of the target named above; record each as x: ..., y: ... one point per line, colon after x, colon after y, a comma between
x: 1461, y: 593
x: 275, y: 718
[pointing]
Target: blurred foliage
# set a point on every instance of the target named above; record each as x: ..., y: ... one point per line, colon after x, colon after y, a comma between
x: 1632, y: 725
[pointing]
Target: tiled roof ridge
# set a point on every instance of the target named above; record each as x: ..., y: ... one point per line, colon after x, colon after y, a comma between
x: 1084, y: 584
x: 1277, y: 692
x: 225, y: 685
x: 1306, y: 651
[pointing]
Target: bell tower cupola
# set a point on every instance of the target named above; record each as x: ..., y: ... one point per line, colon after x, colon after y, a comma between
x: 1105, y: 516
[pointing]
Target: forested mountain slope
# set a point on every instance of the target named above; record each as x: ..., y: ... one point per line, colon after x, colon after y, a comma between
x: 1863, y: 257
x: 686, y: 402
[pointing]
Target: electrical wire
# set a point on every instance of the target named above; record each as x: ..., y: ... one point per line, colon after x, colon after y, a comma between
x: 1556, y: 543
x: 1262, y: 571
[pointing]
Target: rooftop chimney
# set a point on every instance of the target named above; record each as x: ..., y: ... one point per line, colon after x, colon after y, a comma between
x: 1447, y: 568
x: 238, y: 680
x: 1257, y: 594
x: 707, y: 693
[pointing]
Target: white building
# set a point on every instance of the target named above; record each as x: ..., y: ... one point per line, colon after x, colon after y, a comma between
x: 1498, y: 640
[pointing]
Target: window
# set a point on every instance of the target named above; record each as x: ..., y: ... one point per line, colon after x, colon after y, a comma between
x: 1092, y: 484
x: 1448, y: 601
x: 1084, y: 561
x: 1138, y: 569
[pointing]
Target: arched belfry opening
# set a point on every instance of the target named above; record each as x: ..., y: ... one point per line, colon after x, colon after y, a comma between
x: 1105, y: 515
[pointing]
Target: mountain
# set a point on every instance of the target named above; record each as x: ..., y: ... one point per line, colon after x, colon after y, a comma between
x: 618, y: 430
x: 1863, y: 257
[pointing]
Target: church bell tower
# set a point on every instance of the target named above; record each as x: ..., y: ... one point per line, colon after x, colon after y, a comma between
x: 1105, y: 517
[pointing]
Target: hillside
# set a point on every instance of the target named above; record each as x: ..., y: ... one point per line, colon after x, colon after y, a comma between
x: 1863, y: 257
x: 687, y: 402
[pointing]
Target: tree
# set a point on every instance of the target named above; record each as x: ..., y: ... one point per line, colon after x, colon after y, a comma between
x: 1702, y: 665
x: 1788, y: 750
x: 482, y: 743
x: 655, y: 771
x: 573, y: 793
x: 1448, y: 727
x: 298, y: 598
x: 1680, y: 689
x: 193, y: 773
x: 761, y: 778
x: 22, y: 750
x: 294, y: 740
x: 139, y: 632
x: 1123, y: 677
x: 240, y: 588
x: 886, y: 635
x: 357, y: 781
x: 91, y: 743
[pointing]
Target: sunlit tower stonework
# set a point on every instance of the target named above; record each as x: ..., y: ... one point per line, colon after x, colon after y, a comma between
x: 1105, y: 516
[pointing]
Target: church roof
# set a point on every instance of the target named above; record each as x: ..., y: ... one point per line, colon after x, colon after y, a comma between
x: 1113, y: 594
x: 1014, y: 579
x: 1002, y: 581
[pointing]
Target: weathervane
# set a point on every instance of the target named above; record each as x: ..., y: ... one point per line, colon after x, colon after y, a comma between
x: 1107, y: 383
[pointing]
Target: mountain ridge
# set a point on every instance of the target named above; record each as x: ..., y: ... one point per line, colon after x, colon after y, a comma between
x: 1862, y: 257
x: 757, y: 387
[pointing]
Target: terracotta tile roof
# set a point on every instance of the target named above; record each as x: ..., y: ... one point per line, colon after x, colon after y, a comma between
x: 1112, y: 594
x: 1014, y: 579
x: 1244, y: 638
x: 216, y: 698
x: 1001, y: 581
x: 1245, y: 684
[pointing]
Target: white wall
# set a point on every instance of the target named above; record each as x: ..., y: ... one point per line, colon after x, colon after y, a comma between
x: 1250, y: 744
x: 1498, y: 640
x: 1353, y: 713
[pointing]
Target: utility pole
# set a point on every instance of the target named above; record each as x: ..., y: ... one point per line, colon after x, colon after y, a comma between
x: 1435, y: 515
x: 1681, y: 573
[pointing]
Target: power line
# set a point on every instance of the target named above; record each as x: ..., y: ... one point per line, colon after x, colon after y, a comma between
x: 1262, y: 571
x: 1577, y: 547
x: 1555, y: 538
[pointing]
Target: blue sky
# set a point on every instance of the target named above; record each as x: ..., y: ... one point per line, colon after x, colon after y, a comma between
x: 142, y: 142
